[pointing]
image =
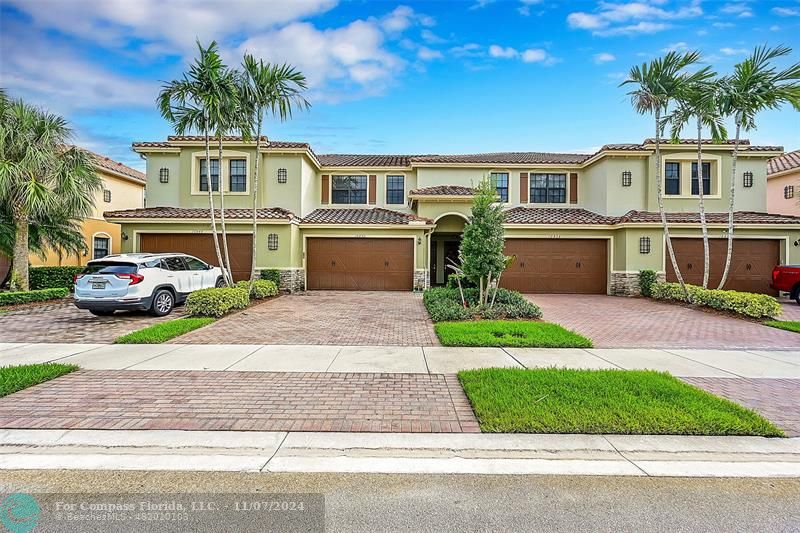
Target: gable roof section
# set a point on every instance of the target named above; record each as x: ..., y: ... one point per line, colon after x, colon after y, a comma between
x: 375, y: 215
x: 784, y: 163
x: 269, y: 213
x: 739, y: 217
x: 106, y: 163
x: 556, y: 215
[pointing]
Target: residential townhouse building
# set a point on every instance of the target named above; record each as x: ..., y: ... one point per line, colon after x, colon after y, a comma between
x: 577, y: 223
x: 783, y: 184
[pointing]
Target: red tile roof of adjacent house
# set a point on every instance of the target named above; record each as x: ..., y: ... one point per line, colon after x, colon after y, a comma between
x: 115, y: 166
x: 739, y: 217
x: 443, y: 190
x: 268, y: 213
x: 375, y: 215
x: 744, y: 144
x: 555, y: 215
x: 783, y: 163
x: 364, y: 160
x: 227, y: 138
x: 504, y: 157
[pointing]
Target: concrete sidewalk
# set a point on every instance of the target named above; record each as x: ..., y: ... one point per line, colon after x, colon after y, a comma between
x: 402, y: 359
x: 609, y: 455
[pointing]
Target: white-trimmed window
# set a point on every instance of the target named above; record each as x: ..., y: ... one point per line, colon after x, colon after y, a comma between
x: 238, y: 175
x: 548, y: 189
x: 395, y: 189
x: 706, y: 179
x: 672, y: 178
x: 214, y: 175
x: 348, y: 189
x: 500, y: 183
x: 101, y: 246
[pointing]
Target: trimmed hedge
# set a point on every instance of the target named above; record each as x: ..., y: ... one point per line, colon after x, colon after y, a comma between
x: 261, y: 288
x: 24, y: 297
x: 217, y: 302
x: 646, y: 280
x: 453, y: 279
x: 742, y: 303
x: 52, y: 277
x: 444, y: 304
x: 273, y: 275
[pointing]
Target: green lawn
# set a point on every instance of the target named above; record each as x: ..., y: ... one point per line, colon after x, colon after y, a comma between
x: 639, y: 402
x: 16, y: 378
x: 788, y: 325
x: 516, y: 333
x: 164, y: 331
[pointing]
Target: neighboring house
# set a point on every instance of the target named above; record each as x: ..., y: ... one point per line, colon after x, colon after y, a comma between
x: 577, y: 223
x: 123, y: 188
x: 783, y: 184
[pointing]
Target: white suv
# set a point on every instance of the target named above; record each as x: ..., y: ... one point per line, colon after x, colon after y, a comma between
x: 142, y: 282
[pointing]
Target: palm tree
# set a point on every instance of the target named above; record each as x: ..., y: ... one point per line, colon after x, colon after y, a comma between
x: 657, y: 84
x: 755, y: 86
x: 42, y: 177
x: 700, y: 101
x: 187, y: 103
x: 268, y: 89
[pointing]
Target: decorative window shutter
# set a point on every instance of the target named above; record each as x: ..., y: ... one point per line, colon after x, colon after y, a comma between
x: 573, y: 188
x: 326, y: 187
x: 373, y: 183
x: 523, y: 187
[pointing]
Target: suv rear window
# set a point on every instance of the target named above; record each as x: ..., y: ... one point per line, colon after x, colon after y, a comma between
x: 110, y: 268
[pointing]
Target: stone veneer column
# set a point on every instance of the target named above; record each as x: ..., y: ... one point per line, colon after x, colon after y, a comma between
x: 627, y: 283
x: 422, y: 279
x: 292, y: 279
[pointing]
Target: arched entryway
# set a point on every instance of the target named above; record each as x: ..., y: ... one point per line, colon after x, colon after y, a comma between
x: 445, y: 241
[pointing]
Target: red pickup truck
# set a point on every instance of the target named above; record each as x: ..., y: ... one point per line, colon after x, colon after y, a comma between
x: 786, y: 278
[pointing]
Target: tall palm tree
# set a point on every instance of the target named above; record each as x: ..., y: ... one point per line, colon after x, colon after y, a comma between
x: 754, y: 86
x: 268, y: 89
x: 187, y: 103
x: 700, y: 102
x: 657, y: 84
x: 42, y: 177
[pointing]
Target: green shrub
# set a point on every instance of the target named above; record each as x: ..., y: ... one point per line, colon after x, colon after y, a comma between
x: 444, y: 304
x: 24, y: 297
x: 742, y: 303
x: 216, y: 302
x: 262, y: 288
x: 273, y: 275
x: 646, y: 280
x: 453, y: 279
x: 53, y: 277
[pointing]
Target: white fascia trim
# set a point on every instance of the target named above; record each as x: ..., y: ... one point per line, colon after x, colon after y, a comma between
x: 156, y: 149
x: 715, y: 225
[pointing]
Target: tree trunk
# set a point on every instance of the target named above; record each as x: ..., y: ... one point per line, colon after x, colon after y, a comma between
x: 660, y: 194
x: 255, y: 200
x: 19, y: 267
x: 703, y: 224
x: 210, y: 182
x: 227, y: 270
x: 729, y: 256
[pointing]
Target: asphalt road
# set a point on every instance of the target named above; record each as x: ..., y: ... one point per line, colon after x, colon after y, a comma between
x: 466, y: 502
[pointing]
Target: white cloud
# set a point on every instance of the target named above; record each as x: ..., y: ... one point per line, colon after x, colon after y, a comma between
x: 480, y: 4
x: 733, y: 51
x: 630, y: 18
x: 534, y: 55
x: 604, y: 57
x: 504, y: 52
x: 467, y: 50
x: 702, y: 33
x: 774, y: 27
x: 786, y: 11
x: 398, y: 20
x: 722, y: 25
x: 431, y: 38
x: 426, y: 54
x: 739, y: 9
x: 530, y: 55
x: 525, y: 8
x: 676, y: 47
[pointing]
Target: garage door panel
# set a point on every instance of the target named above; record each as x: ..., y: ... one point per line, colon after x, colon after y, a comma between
x: 568, y: 266
x: 360, y: 264
x: 202, y: 247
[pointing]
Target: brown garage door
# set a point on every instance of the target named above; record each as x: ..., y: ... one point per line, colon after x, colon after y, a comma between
x: 566, y: 266
x: 202, y: 247
x: 360, y: 264
x: 751, y: 266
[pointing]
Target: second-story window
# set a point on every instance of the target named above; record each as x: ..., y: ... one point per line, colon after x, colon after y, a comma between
x: 214, y: 175
x: 706, y: 179
x: 788, y: 192
x: 548, y: 188
x: 500, y: 182
x: 395, y: 190
x: 672, y: 177
x: 349, y: 190
x: 107, y: 195
x: 238, y: 176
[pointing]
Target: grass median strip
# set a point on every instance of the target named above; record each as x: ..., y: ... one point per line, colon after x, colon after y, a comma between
x: 164, y: 331
x: 516, y: 333
x: 788, y: 325
x: 16, y: 378
x: 633, y: 402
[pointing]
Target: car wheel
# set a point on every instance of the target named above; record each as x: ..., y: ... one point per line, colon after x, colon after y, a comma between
x: 220, y: 283
x: 97, y: 312
x: 163, y: 302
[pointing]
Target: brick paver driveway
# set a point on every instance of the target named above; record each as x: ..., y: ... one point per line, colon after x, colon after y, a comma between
x: 242, y: 401
x: 64, y: 322
x: 342, y: 318
x: 619, y: 322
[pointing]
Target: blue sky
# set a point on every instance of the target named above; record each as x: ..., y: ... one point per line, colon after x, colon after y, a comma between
x: 387, y: 77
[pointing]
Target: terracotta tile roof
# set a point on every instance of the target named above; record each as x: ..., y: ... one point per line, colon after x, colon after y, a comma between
x: 269, y: 213
x: 228, y: 138
x: 555, y: 215
x: 744, y: 144
x: 782, y: 163
x: 739, y: 217
x: 375, y: 215
x: 504, y: 157
x: 364, y: 160
x: 115, y: 166
x: 443, y: 190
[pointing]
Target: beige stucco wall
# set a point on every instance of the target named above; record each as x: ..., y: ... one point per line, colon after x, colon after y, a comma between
x: 776, y: 203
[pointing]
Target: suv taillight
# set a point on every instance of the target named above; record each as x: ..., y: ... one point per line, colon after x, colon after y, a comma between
x: 135, y: 278
x: 76, y: 277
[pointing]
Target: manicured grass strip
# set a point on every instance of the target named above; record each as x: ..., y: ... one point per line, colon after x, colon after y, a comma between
x: 636, y: 402
x: 164, y: 331
x: 16, y: 378
x: 509, y: 333
x: 788, y: 325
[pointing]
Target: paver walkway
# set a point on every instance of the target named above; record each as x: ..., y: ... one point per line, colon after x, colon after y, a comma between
x: 616, y: 322
x: 242, y: 401
x: 778, y: 400
x: 344, y: 318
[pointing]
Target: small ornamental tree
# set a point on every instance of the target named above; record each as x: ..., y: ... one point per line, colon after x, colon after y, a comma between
x: 481, y: 251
